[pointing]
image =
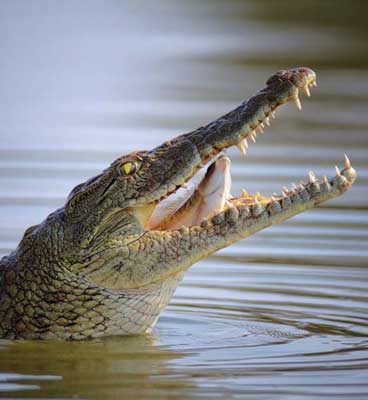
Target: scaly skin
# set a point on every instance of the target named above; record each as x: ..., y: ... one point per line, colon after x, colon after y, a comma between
x: 92, y: 269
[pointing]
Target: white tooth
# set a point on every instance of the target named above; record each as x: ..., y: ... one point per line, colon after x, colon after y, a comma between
x: 262, y: 125
x: 244, y: 193
x: 242, y: 146
x: 284, y: 195
x: 275, y: 194
x: 285, y: 189
x: 325, y: 179
x: 267, y: 120
x: 253, y: 137
x: 347, y: 164
x: 256, y: 200
x: 312, y: 177
x: 273, y: 114
x: 260, y: 129
x: 294, y: 186
x: 273, y: 198
x: 338, y: 173
x: 314, y: 83
x: 306, y: 90
x: 229, y: 204
x: 297, y: 103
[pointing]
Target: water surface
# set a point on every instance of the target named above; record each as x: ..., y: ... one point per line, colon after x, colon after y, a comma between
x: 280, y: 315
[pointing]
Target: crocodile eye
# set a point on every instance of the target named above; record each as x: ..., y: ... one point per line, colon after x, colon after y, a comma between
x: 127, y: 168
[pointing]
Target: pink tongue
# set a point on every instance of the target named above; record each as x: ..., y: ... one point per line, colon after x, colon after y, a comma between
x: 208, y: 199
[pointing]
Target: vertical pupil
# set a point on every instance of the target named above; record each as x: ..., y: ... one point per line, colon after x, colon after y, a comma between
x: 128, y: 168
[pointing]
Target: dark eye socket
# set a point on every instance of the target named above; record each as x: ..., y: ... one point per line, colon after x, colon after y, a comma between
x: 127, y: 168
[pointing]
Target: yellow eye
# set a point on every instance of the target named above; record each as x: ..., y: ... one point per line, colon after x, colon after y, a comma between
x: 128, y: 168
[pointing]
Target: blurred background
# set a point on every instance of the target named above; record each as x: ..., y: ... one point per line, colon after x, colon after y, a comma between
x: 280, y: 315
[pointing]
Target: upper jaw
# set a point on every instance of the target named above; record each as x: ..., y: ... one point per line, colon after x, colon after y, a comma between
x: 251, y: 115
x: 195, y: 149
x: 240, y: 124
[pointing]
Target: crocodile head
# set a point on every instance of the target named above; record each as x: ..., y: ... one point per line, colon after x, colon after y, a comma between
x: 115, y: 208
x: 119, y: 234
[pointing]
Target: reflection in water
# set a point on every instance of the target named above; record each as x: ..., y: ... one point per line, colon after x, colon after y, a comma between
x: 107, y: 369
x: 282, y: 314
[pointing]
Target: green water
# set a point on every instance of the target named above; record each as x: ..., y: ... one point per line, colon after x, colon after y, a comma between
x: 282, y: 315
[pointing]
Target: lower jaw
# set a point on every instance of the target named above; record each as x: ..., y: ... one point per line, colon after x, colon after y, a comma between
x: 291, y: 202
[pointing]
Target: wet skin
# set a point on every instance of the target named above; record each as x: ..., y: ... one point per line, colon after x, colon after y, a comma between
x: 103, y: 265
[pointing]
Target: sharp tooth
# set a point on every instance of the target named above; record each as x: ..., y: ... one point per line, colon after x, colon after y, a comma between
x: 285, y: 189
x: 244, y: 193
x: 267, y: 120
x: 325, y: 180
x: 275, y: 194
x: 297, y: 103
x: 347, y: 164
x: 338, y: 173
x: 314, y: 83
x: 253, y: 137
x: 229, y: 204
x: 306, y: 90
x: 256, y: 200
x: 312, y: 177
x: 242, y: 146
x: 262, y: 125
x: 273, y: 198
x: 259, y: 127
x: 284, y: 195
x: 294, y: 186
x: 273, y: 115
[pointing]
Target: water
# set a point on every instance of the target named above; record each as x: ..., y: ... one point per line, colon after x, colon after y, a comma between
x: 280, y: 315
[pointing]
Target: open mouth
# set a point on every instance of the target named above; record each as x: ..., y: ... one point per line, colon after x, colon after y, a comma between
x: 211, y: 197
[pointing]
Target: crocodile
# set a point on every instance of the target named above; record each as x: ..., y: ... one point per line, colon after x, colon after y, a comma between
x: 108, y: 262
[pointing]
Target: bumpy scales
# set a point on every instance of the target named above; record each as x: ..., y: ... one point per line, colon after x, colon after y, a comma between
x: 100, y: 266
